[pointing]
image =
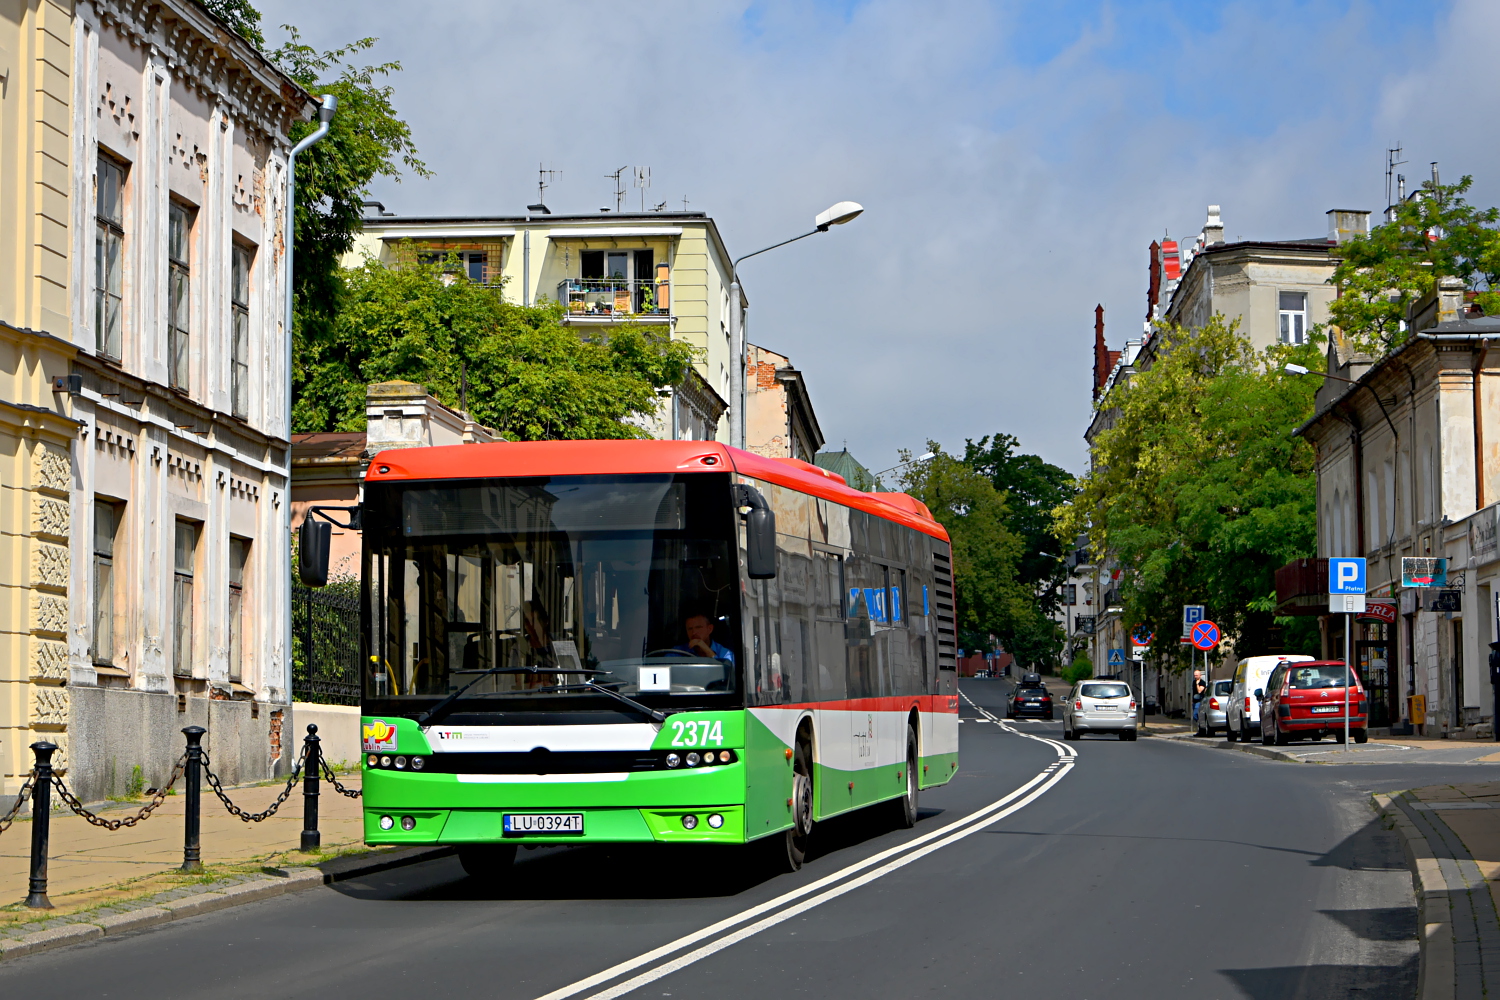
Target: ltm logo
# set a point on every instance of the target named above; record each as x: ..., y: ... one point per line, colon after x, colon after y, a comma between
x: 450, y: 736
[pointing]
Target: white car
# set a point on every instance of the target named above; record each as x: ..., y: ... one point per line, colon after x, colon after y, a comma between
x: 1243, y: 722
x: 1096, y: 706
x: 1213, y: 710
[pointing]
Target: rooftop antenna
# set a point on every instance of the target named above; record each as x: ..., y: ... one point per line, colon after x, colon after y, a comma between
x: 543, y: 181
x: 684, y: 203
x: 1391, y: 163
x: 619, y: 188
x: 643, y: 181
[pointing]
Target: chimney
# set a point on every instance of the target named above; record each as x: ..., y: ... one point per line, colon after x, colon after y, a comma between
x: 1213, y: 229
x: 1153, y: 280
x: 1346, y: 223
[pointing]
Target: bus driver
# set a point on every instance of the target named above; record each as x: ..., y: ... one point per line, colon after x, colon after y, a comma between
x: 700, y: 630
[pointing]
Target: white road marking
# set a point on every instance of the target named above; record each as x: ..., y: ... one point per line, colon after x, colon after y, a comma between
x: 903, y: 854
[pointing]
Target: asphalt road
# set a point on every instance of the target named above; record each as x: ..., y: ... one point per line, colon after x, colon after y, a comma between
x: 1087, y: 870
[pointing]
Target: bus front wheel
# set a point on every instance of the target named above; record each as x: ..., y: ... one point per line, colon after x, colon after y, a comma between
x: 486, y: 861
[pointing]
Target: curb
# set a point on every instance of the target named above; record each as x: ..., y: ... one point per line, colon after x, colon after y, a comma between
x: 290, y: 880
x: 1435, y: 977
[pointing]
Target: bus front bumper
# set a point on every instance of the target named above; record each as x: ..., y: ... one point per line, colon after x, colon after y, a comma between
x: 679, y: 825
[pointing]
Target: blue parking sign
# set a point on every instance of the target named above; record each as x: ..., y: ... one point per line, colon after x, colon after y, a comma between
x: 1346, y: 576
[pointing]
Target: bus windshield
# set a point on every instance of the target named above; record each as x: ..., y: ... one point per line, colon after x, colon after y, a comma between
x: 631, y: 578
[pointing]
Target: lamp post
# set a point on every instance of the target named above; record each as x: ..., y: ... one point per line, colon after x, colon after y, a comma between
x: 328, y: 105
x: 837, y: 215
x: 901, y: 465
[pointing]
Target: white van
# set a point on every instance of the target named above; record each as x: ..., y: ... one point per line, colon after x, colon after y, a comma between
x: 1244, y: 709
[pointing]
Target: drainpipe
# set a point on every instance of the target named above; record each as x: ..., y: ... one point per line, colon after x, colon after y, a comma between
x: 330, y: 104
x: 1479, y: 499
x: 526, y: 268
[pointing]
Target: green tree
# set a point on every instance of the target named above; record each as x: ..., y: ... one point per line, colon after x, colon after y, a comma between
x: 240, y: 17
x: 1436, y: 234
x: 986, y: 555
x: 1199, y: 491
x: 528, y: 376
x: 366, y: 139
x: 1033, y: 489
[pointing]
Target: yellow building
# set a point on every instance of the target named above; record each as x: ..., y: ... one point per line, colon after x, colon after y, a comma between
x: 143, y: 446
x: 667, y: 269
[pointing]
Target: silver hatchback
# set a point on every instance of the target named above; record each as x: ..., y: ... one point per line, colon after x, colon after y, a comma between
x: 1095, y: 706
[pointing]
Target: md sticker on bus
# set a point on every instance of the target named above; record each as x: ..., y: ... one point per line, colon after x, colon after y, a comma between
x: 655, y: 679
x: 378, y: 735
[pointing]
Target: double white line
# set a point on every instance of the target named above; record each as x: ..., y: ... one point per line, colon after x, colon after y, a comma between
x: 752, y: 921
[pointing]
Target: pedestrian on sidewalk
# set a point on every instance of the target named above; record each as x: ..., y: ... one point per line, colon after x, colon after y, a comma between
x: 1199, y: 690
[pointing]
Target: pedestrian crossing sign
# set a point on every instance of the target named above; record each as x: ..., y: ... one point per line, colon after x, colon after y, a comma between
x: 1117, y: 657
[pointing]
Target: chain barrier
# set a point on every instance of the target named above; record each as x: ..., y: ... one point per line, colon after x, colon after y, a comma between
x: 352, y: 793
x: 72, y: 802
x: 218, y: 789
x: 10, y: 817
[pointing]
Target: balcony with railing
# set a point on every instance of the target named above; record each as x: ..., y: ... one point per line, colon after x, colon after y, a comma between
x: 615, y: 300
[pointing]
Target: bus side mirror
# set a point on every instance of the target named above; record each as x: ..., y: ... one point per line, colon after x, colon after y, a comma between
x: 760, y: 543
x: 314, y: 540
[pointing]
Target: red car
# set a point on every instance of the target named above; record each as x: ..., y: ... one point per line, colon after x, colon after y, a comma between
x: 1306, y: 698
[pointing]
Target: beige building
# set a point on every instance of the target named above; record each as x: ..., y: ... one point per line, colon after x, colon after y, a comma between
x: 779, y: 417
x: 665, y: 269
x: 142, y: 421
x: 1409, y: 466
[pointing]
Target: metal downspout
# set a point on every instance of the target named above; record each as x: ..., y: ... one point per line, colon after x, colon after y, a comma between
x: 329, y: 104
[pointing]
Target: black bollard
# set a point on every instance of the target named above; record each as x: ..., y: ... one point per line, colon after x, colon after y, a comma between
x: 311, y: 838
x: 192, y: 860
x: 41, y: 825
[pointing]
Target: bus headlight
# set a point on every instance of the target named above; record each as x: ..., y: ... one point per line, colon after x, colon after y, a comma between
x: 692, y: 760
x: 673, y: 760
x: 372, y: 760
x: 417, y: 763
x: 385, y: 762
x: 715, y: 820
x: 386, y: 822
x: 708, y: 758
x: 689, y: 822
x: 408, y: 823
x: 400, y: 763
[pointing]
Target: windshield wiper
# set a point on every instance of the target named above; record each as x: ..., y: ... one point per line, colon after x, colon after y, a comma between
x: 441, y: 709
x: 653, y: 714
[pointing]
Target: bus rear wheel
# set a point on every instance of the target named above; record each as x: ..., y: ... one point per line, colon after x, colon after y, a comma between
x: 488, y: 862
x: 906, y: 805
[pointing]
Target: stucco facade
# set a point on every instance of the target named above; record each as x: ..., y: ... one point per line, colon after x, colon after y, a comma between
x: 779, y: 417
x: 139, y: 236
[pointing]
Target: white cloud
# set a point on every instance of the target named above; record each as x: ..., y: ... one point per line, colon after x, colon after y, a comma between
x: 1002, y: 201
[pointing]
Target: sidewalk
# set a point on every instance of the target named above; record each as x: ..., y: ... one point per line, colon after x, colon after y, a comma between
x: 91, y: 867
x: 1451, y: 836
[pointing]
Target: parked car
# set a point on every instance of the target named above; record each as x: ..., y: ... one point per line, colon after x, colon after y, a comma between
x: 1307, y: 699
x: 1213, y: 710
x: 1096, y: 706
x: 1030, y: 697
x: 1244, y: 708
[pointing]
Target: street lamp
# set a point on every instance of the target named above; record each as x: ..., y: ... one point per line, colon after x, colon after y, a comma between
x: 834, y: 215
x: 909, y: 461
x: 1292, y: 369
x: 328, y: 105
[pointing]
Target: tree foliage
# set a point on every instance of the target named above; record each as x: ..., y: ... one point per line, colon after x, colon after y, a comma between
x: 1033, y: 489
x: 1436, y: 234
x: 1198, y: 490
x: 528, y: 376
x: 987, y: 554
x: 366, y: 139
x: 240, y: 17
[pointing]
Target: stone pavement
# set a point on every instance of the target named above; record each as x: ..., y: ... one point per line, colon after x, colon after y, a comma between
x: 1451, y: 835
x: 90, y: 866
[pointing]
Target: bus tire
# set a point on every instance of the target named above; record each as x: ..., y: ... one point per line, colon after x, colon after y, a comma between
x: 906, y: 805
x: 486, y: 861
x: 802, y: 802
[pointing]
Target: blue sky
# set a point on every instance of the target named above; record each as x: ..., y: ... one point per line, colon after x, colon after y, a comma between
x: 1015, y: 160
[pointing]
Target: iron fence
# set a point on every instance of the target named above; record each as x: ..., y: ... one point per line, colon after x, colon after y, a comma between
x: 325, y: 644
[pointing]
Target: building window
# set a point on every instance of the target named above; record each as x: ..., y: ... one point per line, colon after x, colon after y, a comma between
x: 239, y: 333
x: 186, y: 549
x: 106, y: 526
x: 1293, y: 317
x: 471, y: 263
x: 179, y: 294
x: 109, y: 246
x: 239, y: 550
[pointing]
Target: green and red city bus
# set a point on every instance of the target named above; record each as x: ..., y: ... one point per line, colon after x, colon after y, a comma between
x: 644, y: 641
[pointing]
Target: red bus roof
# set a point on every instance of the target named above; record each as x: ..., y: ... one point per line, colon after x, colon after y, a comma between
x: 588, y: 458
